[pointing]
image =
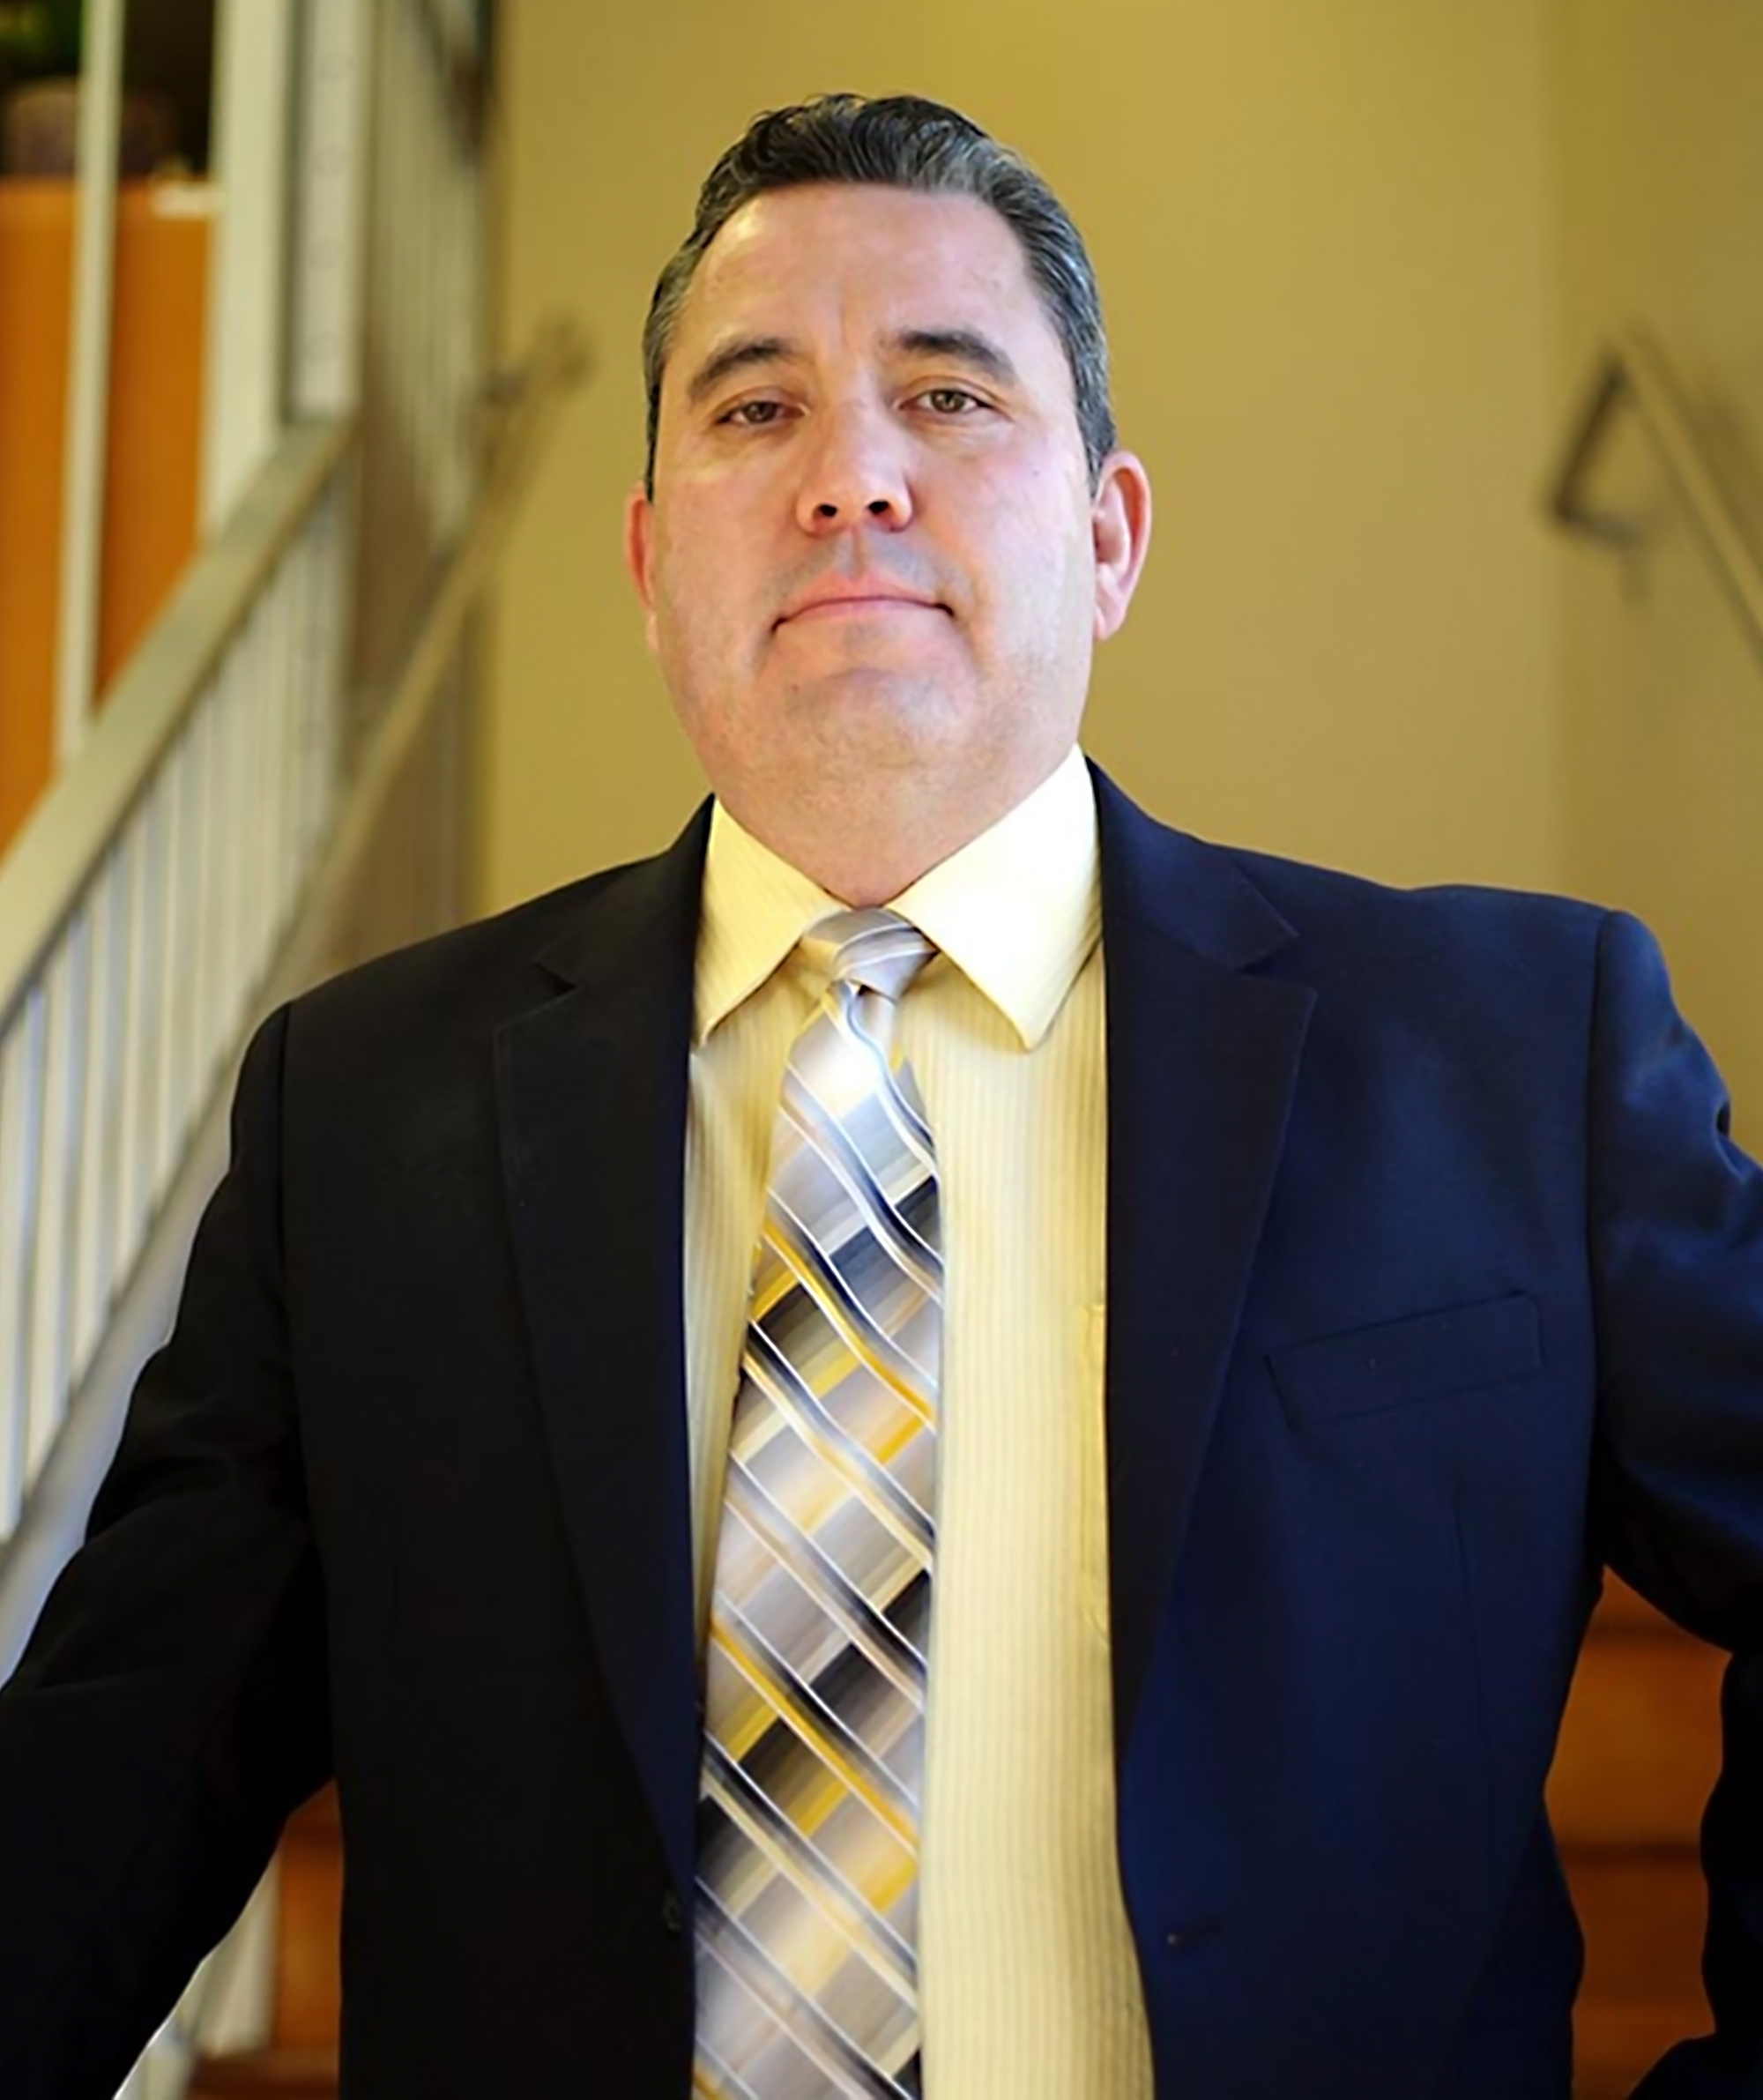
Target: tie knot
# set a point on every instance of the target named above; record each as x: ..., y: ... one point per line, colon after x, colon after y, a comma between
x: 877, y: 950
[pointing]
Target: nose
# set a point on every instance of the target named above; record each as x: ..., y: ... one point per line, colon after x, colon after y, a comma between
x: 855, y: 475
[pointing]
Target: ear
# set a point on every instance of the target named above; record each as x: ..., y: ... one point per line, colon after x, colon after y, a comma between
x: 1121, y: 522
x: 639, y: 555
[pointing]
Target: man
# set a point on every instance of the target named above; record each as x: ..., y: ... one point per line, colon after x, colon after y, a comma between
x: 1099, y: 1629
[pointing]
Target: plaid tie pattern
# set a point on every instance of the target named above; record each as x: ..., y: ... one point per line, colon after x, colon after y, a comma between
x: 820, y: 1613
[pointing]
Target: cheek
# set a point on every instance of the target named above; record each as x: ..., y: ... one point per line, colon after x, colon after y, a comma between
x: 705, y: 648
x: 1033, y: 535
x: 1039, y: 584
x: 689, y: 612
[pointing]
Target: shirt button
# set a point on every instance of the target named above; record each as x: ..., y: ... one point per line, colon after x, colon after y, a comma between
x: 671, y: 1917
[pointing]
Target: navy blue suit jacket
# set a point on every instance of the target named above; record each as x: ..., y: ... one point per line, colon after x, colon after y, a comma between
x: 1435, y: 1285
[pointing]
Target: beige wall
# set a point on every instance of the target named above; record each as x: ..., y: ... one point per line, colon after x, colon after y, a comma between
x: 1323, y: 229
x: 1662, y: 188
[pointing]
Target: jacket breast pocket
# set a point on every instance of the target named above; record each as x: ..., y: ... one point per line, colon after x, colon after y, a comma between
x: 1372, y: 1370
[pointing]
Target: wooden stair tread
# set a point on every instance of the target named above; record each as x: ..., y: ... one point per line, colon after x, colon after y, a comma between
x: 1615, y: 2049
x: 1640, y: 1748
x: 1644, y: 1913
x: 267, y: 2074
x: 308, y: 1985
x: 1621, y: 1612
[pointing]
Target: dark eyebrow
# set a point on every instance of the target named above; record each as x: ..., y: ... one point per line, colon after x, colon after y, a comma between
x: 736, y: 356
x: 966, y: 346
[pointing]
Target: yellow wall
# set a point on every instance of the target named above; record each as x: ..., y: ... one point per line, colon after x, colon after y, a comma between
x: 1323, y: 229
x: 1661, y: 189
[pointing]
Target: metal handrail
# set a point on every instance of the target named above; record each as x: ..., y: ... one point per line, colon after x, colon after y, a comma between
x: 1633, y: 372
x: 63, y: 842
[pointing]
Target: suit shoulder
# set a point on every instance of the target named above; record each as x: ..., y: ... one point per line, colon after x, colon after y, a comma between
x: 475, y: 975
x: 1328, y: 907
x: 1242, y: 904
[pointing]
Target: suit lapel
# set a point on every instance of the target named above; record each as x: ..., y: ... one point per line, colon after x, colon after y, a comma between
x: 592, y: 1088
x: 1203, y: 1059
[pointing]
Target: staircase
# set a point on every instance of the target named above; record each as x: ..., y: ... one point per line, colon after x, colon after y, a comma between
x: 1638, y: 1753
x: 300, y: 2060
x: 248, y: 770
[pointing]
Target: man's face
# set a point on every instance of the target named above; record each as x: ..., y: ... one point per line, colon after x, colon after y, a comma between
x: 872, y: 559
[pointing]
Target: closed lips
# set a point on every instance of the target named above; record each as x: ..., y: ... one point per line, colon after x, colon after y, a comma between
x: 879, y: 601
x: 868, y: 605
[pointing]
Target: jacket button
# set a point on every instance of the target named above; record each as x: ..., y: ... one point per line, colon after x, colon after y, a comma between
x: 671, y: 1917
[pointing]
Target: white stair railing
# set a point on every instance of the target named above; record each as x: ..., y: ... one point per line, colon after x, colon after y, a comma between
x: 246, y: 859
x: 172, y: 852
x: 274, y: 786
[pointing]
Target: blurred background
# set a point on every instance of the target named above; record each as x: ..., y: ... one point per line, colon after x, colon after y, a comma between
x: 1439, y: 328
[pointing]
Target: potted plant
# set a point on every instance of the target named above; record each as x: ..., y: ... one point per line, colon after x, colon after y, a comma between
x: 41, y: 43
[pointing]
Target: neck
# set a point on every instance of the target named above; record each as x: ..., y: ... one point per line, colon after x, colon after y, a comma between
x: 866, y: 856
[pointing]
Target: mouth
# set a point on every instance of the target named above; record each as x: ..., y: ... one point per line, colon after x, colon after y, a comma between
x: 882, y: 604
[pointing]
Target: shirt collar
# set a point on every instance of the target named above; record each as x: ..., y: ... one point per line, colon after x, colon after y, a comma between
x: 1017, y: 909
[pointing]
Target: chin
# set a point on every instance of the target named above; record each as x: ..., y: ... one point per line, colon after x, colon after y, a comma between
x: 886, y: 711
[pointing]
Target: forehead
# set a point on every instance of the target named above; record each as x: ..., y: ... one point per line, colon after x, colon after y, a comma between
x: 861, y: 260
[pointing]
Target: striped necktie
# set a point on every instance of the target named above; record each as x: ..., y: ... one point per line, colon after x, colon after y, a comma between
x: 820, y: 1614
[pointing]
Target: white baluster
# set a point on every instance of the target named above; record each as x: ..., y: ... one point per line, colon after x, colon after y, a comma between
x: 49, y: 1378
x: 143, y: 1024
x: 95, y: 1260
x: 21, y: 1124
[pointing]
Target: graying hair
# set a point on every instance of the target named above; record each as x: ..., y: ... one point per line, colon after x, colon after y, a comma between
x: 902, y: 142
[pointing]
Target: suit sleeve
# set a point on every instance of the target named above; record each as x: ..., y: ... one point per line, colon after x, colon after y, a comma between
x: 1675, y: 1239
x: 170, y: 1709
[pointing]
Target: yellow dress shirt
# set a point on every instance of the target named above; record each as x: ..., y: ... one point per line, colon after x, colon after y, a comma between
x: 1028, y: 1977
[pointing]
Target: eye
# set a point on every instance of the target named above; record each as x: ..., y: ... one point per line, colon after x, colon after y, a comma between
x: 950, y: 401
x: 752, y: 415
